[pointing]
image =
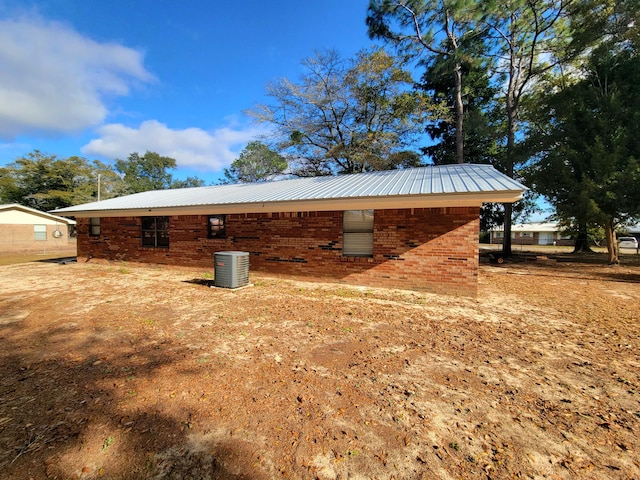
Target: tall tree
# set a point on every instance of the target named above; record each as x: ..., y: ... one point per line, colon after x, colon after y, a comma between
x: 46, y: 182
x: 151, y: 171
x: 422, y: 29
x: 146, y: 172
x: 589, y: 164
x: 256, y: 163
x: 481, y: 117
x: 346, y: 116
x: 529, y: 38
x: 108, y: 183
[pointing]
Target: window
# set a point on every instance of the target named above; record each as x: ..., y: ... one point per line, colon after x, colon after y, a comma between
x: 357, y: 233
x: 40, y: 232
x: 217, y: 228
x: 155, y: 232
x: 94, y: 226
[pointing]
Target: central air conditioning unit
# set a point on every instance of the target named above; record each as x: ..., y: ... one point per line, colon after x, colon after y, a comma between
x: 231, y: 269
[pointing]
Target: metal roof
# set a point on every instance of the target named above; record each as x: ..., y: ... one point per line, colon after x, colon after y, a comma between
x: 484, y: 182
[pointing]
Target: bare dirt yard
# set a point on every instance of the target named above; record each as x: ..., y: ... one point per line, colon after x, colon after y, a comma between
x: 127, y: 371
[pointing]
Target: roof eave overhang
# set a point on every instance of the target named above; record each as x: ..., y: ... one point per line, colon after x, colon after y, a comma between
x: 37, y: 213
x: 379, y: 203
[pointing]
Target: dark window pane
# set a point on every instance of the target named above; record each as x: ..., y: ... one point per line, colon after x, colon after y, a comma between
x: 148, y: 239
x: 163, y: 239
x: 162, y: 224
x: 155, y: 232
x: 148, y: 223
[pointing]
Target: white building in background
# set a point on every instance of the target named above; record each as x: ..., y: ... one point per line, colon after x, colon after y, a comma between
x: 535, y: 233
x: 24, y: 229
x: 633, y: 230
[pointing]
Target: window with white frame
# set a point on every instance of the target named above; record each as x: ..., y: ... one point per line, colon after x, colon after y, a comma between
x: 40, y: 232
x: 357, y: 233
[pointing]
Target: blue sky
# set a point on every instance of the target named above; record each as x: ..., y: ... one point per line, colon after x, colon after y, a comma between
x: 102, y: 79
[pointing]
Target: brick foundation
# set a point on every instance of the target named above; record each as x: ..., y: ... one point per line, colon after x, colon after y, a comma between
x: 433, y: 249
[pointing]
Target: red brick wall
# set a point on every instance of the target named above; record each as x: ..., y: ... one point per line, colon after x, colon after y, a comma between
x: 425, y: 249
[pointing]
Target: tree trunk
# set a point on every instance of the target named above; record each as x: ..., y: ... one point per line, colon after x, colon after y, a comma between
x: 457, y: 72
x: 506, y: 239
x: 582, y: 241
x: 612, y: 242
x: 512, y: 117
x: 582, y: 244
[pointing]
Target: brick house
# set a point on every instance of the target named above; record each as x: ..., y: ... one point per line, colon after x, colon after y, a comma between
x: 535, y: 233
x: 27, y: 230
x: 414, y: 228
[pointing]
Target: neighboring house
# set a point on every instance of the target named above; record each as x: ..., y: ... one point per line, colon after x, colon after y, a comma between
x: 413, y: 228
x: 24, y: 229
x: 532, y: 234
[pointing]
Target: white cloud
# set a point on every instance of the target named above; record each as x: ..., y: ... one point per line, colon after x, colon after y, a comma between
x: 55, y: 80
x: 191, y: 147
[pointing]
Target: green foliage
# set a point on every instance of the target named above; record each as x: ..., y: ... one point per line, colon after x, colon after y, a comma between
x: 596, y: 21
x: 151, y: 171
x: 482, y: 122
x: 419, y: 28
x: 146, y: 172
x: 588, y: 164
x: 188, y: 182
x: 256, y: 163
x: 46, y: 182
x: 529, y: 41
x: 107, y: 443
x: 425, y: 30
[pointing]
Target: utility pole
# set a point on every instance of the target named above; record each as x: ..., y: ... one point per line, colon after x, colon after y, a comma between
x: 99, y: 187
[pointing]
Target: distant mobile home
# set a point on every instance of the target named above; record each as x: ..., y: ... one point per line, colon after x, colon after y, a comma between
x: 412, y: 228
x: 24, y: 229
x: 534, y: 233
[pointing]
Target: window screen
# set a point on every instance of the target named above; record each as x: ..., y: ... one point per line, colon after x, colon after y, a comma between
x: 357, y: 233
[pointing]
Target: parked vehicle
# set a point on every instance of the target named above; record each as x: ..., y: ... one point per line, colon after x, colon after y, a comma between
x: 628, y: 242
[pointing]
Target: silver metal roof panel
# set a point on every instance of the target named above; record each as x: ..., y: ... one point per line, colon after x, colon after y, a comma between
x: 420, y: 182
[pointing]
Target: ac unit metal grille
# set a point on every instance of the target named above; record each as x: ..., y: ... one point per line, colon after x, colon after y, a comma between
x: 231, y: 269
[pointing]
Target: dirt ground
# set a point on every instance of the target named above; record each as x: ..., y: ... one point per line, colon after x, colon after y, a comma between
x: 126, y: 371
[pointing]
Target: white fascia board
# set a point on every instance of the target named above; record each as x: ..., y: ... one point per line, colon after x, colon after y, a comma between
x: 17, y: 209
x: 378, y: 203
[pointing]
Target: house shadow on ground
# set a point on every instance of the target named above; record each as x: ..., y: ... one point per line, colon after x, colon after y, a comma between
x: 69, y: 410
